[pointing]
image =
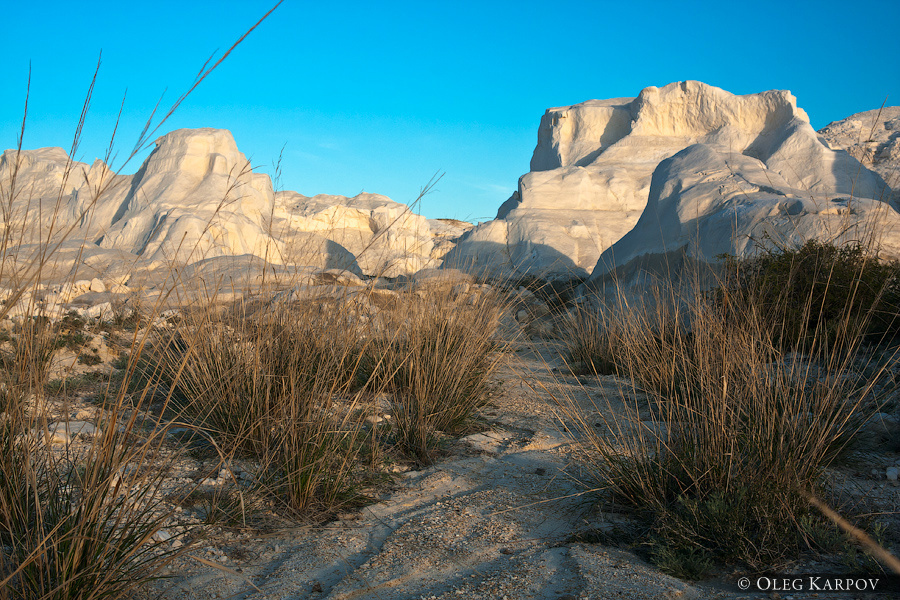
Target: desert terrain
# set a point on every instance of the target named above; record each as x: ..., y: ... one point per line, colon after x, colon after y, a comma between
x: 281, y: 396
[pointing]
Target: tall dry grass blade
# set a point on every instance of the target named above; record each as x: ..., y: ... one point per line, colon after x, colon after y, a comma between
x: 864, y: 539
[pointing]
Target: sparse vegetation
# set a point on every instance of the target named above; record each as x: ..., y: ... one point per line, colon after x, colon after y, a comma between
x: 437, y: 363
x: 752, y: 390
x: 76, y: 521
x: 815, y: 292
x: 268, y: 384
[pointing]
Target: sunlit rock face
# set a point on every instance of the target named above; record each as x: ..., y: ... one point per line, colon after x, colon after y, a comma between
x: 873, y: 138
x: 49, y: 196
x: 196, y: 198
x: 591, y: 172
x: 386, y: 237
x: 705, y: 203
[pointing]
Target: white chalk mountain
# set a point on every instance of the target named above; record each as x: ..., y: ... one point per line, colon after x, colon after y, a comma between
x: 598, y: 163
x: 615, y: 186
x: 196, y: 199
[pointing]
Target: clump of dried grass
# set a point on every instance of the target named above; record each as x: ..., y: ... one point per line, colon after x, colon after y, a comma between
x: 751, y: 391
x: 277, y: 384
x: 437, y: 358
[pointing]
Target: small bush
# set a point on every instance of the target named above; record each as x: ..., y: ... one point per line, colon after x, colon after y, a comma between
x: 814, y: 292
x: 437, y: 364
x: 86, y: 381
x: 736, y: 430
x: 90, y: 359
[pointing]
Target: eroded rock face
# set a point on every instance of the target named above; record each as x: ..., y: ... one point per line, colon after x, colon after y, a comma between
x: 53, y: 196
x: 386, y: 237
x: 591, y: 171
x: 444, y: 235
x: 705, y: 202
x: 195, y: 199
x: 873, y: 138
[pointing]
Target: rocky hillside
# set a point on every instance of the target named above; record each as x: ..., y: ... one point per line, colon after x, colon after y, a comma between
x: 598, y: 163
x: 614, y: 186
x: 197, y: 198
x: 873, y: 138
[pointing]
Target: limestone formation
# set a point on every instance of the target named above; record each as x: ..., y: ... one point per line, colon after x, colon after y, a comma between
x: 195, y: 199
x: 444, y: 234
x: 196, y: 196
x: 705, y: 202
x: 873, y: 138
x: 54, y: 197
x: 386, y: 237
x: 591, y: 172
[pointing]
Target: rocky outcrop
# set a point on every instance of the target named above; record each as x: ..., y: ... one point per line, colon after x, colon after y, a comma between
x: 444, y: 235
x: 196, y: 198
x: 386, y: 237
x: 591, y: 172
x: 705, y: 203
x: 873, y: 138
x: 52, y: 197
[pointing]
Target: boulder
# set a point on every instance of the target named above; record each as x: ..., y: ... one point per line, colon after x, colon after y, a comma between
x: 65, y: 432
x: 102, y: 310
x: 591, y: 172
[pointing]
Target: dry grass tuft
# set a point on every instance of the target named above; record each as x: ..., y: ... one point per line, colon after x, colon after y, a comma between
x: 437, y: 359
x: 751, y: 391
x: 275, y: 384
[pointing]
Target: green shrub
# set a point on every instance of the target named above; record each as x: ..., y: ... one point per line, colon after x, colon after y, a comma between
x: 815, y: 292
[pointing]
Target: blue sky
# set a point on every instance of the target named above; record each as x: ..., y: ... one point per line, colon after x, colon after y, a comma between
x: 380, y: 96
